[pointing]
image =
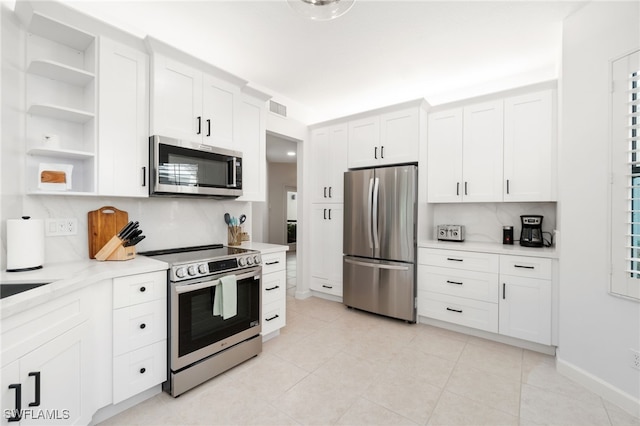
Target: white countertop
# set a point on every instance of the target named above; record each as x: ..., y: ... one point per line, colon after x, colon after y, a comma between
x: 496, y: 248
x: 264, y: 247
x: 66, y: 277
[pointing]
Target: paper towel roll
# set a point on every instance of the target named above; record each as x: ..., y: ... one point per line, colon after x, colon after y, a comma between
x: 25, y: 244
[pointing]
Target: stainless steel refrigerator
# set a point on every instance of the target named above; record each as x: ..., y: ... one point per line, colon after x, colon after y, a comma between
x: 379, y: 245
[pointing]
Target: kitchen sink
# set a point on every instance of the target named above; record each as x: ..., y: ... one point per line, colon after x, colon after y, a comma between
x: 7, y: 290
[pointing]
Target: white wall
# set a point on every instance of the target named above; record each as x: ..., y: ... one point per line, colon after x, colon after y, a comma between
x: 596, y: 329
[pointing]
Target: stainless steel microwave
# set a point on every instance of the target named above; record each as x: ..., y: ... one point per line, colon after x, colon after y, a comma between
x: 184, y: 168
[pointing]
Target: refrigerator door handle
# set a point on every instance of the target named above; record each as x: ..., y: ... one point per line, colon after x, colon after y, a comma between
x: 370, y: 212
x: 377, y: 265
x: 376, y: 193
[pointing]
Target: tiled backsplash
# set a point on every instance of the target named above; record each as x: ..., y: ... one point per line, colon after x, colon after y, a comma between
x: 166, y: 222
x: 484, y: 221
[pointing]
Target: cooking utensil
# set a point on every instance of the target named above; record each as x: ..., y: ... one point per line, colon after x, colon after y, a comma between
x: 227, y: 218
x: 134, y: 241
x: 243, y: 218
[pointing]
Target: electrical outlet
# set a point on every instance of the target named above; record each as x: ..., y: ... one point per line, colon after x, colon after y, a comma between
x: 61, y: 227
x: 635, y: 359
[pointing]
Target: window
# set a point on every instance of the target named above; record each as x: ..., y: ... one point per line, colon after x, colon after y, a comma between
x: 625, y: 176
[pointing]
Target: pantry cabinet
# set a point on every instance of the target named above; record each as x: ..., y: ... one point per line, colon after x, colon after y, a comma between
x: 328, y: 163
x: 500, y: 150
x: 61, y: 106
x: 123, y: 136
x: 326, y: 248
x: 386, y: 138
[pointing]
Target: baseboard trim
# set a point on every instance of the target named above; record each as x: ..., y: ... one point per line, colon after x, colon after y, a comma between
x: 302, y: 294
x: 607, y: 391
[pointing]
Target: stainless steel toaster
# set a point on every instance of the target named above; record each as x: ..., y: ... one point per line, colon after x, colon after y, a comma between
x: 450, y: 232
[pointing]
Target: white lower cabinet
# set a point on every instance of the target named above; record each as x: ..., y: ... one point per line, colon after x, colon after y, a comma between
x: 139, y: 333
x: 274, y: 291
x: 509, y: 295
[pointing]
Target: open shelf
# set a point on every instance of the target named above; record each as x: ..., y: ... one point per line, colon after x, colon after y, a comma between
x: 60, y: 153
x: 61, y: 113
x: 61, y: 33
x: 60, y: 72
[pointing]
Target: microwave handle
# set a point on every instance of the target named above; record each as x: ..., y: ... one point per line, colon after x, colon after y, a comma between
x: 233, y: 172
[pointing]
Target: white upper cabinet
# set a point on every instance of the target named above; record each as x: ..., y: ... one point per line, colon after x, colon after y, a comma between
x: 386, y: 138
x: 123, y: 147
x: 329, y: 162
x: 500, y: 150
x: 444, y: 156
x: 190, y: 104
x: 482, y: 137
x: 529, y: 147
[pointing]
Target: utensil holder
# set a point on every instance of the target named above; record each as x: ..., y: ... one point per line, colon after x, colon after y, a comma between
x: 234, y: 235
x: 114, y: 250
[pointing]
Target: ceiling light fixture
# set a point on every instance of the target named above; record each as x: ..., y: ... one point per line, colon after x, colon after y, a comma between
x: 291, y: 153
x: 321, y: 10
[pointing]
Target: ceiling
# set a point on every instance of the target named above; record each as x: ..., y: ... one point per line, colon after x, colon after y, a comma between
x: 380, y: 53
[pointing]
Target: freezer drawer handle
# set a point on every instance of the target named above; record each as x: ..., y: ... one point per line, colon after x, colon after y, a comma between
x: 455, y: 310
x: 454, y: 282
x: 453, y: 259
x: 374, y: 265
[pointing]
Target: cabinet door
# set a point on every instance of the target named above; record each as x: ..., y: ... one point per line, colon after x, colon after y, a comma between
x: 218, y: 109
x: 176, y: 100
x: 251, y: 140
x: 482, y: 152
x: 123, y: 145
x: 329, y: 162
x: 364, y: 142
x: 528, y: 147
x: 399, y: 136
x: 61, y: 367
x: 444, y: 156
x: 525, y: 308
x: 326, y: 248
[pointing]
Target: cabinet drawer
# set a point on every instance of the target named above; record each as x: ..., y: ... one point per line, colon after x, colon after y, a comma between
x: 139, y: 370
x: 529, y: 267
x: 458, y: 310
x: 470, y: 284
x: 470, y: 261
x: 141, y: 288
x: 272, y: 262
x: 274, y: 287
x: 273, y: 317
x: 139, y: 325
x: 325, y: 286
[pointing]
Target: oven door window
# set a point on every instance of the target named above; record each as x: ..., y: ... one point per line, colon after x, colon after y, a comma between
x: 199, y: 327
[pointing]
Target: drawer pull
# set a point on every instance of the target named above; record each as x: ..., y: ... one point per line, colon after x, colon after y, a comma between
x: 455, y: 310
x: 272, y: 263
x: 453, y: 259
x: 143, y: 326
x: 524, y: 266
x: 143, y: 289
x: 17, y: 412
x: 327, y: 286
x: 36, y: 403
x: 504, y: 291
x: 272, y: 318
x: 454, y: 282
x: 143, y: 370
x: 273, y: 288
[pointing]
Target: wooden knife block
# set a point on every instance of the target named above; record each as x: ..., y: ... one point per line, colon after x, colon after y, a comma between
x: 114, y: 250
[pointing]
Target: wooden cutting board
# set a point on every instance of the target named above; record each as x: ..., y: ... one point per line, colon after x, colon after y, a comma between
x: 103, y: 224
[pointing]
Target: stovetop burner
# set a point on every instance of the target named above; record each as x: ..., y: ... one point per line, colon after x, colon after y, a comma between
x: 198, y: 261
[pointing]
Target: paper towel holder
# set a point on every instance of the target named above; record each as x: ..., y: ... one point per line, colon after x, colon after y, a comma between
x: 20, y: 265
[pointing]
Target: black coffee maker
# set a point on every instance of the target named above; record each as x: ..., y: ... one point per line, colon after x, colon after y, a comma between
x: 531, y: 234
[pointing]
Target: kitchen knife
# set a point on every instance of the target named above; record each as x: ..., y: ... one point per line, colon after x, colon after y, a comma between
x: 125, y: 229
x: 130, y: 231
x: 134, y: 234
x: 134, y: 241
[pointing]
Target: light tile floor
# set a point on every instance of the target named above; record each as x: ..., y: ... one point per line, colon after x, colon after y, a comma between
x: 333, y: 365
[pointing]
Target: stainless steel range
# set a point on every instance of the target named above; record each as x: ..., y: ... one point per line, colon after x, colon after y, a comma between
x: 213, y: 312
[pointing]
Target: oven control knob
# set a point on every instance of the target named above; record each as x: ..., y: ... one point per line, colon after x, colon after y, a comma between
x: 202, y: 268
x: 242, y: 261
x: 180, y: 273
x: 256, y: 259
x: 249, y: 260
x: 191, y: 270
